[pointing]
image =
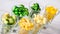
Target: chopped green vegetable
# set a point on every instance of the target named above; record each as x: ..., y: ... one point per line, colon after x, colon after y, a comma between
x: 9, y: 20
x: 20, y: 11
x: 35, y: 7
x: 14, y: 17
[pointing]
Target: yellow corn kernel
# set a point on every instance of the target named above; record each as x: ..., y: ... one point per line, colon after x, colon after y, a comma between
x: 29, y: 26
x: 26, y: 24
x: 39, y: 19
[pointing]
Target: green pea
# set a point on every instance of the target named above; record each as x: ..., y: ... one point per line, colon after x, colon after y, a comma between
x: 16, y: 13
x: 21, y: 15
x: 25, y: 13
x: 15, y: 8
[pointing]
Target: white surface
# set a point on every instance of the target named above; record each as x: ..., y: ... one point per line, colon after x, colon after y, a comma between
x: 53, y: 28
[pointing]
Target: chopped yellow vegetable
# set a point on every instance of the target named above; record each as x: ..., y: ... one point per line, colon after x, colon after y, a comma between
x: 40, y: 19
x: 5, y: 16
x: 26, y: 24
x: 50, y: 12
x: 49, y: 17
x: 9, y: 20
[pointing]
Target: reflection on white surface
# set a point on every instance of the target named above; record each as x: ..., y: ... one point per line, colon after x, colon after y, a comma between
x: 53, y: 28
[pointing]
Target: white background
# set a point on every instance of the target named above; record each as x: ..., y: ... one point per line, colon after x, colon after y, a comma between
x: 53, y: 28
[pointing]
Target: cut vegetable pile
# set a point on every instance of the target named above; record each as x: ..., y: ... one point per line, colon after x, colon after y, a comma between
x: 33, y: 23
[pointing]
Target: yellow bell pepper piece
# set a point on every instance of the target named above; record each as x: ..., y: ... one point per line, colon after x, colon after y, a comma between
x: 50, y: 12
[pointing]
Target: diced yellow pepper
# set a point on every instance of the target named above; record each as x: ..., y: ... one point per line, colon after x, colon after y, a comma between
x: 49, y: 16
x: 50, y: 12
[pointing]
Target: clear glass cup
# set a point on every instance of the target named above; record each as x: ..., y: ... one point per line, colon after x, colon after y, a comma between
x: 50, y: 14
x: 5, y: 28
